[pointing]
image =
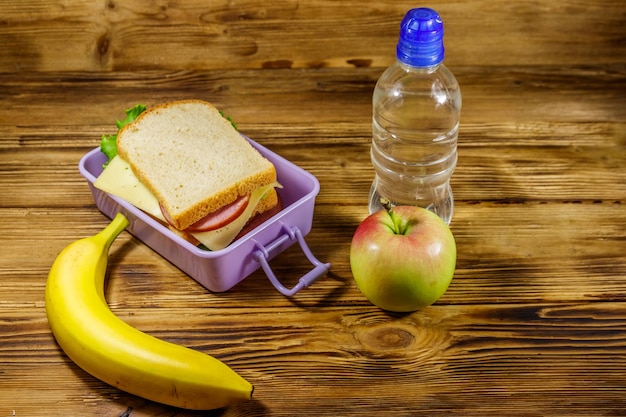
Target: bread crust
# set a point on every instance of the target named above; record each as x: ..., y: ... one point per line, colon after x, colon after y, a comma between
x: 139, y: 145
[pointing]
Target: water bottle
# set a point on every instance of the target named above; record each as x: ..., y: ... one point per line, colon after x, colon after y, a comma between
x: 416, y: 111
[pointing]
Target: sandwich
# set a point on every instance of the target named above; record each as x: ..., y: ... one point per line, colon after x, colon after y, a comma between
x: 186, y: 165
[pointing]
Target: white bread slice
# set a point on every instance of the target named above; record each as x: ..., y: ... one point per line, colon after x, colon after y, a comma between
x: 192, y: 159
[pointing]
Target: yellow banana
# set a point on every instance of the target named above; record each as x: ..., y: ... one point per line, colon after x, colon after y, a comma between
x: 119, y: 354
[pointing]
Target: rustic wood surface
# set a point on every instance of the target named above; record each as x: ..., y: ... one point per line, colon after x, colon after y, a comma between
x: 534, y: 323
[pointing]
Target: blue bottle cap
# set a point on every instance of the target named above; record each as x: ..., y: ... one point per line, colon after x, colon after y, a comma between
x: 421, y: 38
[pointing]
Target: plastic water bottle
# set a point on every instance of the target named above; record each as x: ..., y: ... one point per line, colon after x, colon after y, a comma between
x: 416, y: 112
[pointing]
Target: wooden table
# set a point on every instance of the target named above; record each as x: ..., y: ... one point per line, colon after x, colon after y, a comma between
x: 534, y: 323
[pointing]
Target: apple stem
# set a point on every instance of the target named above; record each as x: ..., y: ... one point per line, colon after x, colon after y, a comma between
x: 386, y: 204
x: 399, y: 226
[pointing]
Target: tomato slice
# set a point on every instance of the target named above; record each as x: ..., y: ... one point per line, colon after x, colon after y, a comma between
x: 220, y: 217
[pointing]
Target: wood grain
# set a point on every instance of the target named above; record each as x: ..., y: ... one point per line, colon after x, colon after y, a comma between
x: 81, y: 35
x: 534, y: 322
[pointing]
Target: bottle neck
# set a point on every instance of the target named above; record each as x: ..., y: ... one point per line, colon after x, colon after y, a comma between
x: 424, y: 70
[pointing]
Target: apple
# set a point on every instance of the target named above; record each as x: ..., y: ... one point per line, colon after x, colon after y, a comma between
x: 403, y: 258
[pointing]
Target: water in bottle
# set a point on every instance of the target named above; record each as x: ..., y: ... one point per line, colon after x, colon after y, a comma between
x: 416, y: 111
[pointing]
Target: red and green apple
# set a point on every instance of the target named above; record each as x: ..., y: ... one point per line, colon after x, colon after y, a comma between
x: 403, y: 258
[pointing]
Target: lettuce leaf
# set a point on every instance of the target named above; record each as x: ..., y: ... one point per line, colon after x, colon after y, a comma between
x: 229, y: 119
x: 108, y: 143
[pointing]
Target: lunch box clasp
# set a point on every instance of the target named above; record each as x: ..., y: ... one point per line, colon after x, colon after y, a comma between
x: 262, y: 256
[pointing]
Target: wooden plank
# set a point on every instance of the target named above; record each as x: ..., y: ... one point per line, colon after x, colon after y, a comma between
x: 508, y: 173
x: 485, y: 359
x: 506, y: 253
x: 524, y: 102
x: 515, y: 100
x: 80, y: 35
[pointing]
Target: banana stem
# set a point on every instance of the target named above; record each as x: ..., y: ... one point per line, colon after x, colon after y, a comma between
x: 109, y: 233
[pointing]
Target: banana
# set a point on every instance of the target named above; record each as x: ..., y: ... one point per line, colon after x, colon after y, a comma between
x: 119, y: 354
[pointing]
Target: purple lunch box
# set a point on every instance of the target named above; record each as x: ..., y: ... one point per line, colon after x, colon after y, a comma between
x: 220, y: 270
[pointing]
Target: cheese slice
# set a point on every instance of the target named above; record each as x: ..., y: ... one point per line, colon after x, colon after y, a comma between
x: 220, y: 238
x: 119, y: 180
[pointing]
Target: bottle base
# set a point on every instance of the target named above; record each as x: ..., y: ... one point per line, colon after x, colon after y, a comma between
x: 443, y: 206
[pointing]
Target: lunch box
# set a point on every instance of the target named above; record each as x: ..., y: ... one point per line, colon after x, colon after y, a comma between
x: 222, y: 269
